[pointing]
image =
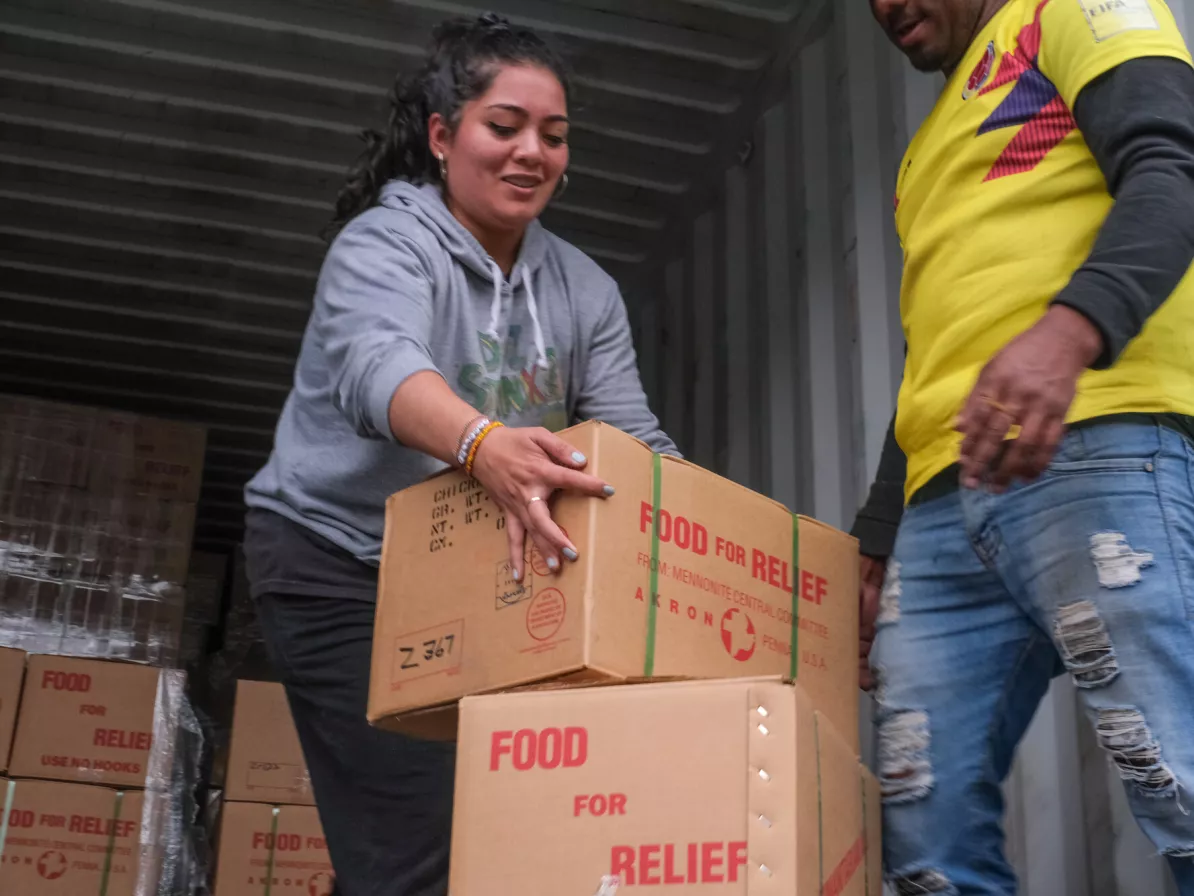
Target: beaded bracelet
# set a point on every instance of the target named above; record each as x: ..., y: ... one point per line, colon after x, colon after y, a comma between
x: 468, y: 437
x: 472, y: 455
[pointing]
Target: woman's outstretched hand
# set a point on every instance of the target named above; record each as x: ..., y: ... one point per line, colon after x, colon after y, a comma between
x: 521, y: 468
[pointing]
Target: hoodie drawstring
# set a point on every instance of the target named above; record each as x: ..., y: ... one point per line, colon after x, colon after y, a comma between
x: 495, y: 311
x: 495, y: 307
x: 533, y: 308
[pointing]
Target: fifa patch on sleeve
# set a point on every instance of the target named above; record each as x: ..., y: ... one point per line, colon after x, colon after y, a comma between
x: 1107, y: 18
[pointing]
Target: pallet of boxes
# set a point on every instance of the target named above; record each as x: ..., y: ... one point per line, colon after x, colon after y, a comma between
x: 97, y: 510
x: 678, y: 708
x: 94, y: 797
x: 270, y: 839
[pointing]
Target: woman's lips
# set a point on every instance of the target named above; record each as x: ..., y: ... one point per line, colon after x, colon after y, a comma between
x: 523, y: 188
x: 523, y: 182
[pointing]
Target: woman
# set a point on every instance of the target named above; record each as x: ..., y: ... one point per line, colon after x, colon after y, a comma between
x: 442, y: 306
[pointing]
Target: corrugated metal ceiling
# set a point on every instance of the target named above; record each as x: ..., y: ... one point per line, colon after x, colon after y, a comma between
x: 165, y: 168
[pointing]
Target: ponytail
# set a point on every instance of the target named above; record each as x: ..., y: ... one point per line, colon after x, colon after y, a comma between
x: 460, y: 66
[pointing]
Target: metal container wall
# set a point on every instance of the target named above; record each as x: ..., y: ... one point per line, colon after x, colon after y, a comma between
x: 769, y: 337
x: 771, y: 349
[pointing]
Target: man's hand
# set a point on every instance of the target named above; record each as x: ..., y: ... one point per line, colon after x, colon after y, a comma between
x: 870, y: 586
x: 1030, y: 384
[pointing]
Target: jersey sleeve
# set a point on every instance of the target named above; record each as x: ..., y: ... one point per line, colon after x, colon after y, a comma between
x: 1083, y: 39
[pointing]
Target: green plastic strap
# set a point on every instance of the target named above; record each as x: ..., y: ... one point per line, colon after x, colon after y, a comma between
x: 794, y: 663
x: 820, y: 826
x: 104, y: 881
x: 8, y: 798
x: 656, y: 490
x: 273, y: 846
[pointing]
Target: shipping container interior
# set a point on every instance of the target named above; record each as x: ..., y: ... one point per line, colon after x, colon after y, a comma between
x: 165, y: 169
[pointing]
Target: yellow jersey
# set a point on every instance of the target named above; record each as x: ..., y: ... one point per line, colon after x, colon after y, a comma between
x: 999, y: 202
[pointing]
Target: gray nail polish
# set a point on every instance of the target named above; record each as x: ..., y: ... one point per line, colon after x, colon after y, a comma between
x: 553, y: 563
x: 577, y: 457
x: 609, y: 491
x: 570, y: 554
x: 518, y: 575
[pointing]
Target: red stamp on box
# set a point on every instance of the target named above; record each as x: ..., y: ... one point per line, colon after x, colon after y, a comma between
x: 427, y: 652
x: 545, y: 614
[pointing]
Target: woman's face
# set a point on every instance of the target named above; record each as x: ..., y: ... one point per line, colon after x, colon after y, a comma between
x: 509, y: 150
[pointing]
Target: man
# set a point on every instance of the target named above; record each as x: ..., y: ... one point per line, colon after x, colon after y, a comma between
x: 1046, y: 209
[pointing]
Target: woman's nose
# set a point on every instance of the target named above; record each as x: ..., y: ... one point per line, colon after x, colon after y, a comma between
x: 529, y: 147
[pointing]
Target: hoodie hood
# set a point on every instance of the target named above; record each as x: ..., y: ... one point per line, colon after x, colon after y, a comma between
x: 426, y: 203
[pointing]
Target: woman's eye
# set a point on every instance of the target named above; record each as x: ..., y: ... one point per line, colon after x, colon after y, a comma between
x: 501, y: 130
x: 555, y: 140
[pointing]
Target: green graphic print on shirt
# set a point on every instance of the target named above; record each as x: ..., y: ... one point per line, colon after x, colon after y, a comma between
x: 508, y: 384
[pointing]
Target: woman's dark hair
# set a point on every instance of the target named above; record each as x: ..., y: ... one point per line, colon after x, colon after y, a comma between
x: 463, y: 60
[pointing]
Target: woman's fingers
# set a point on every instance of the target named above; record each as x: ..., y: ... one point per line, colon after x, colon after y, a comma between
x: 567, y: 480
x: 557, y: 449
x: 516, y: 536
x: 549, y: 538
x: 523, y: 471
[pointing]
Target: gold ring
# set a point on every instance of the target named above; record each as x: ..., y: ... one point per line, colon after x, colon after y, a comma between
x: 996, y: 405
x: 533, y: 500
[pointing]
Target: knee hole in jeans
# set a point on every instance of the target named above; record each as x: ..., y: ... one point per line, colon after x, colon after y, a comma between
x: 922, y: 880
x: 905, y: 769
x: 1125, y: 735
x: 1085, y: 645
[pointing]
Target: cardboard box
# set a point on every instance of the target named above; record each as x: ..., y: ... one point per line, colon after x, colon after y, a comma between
x: 93, y: 575
x: 102, y: 451
x: 873, y: 816
x: 731, y: 787
x: 265, y: 761
x: 45, y: 443
x: 721, y: 560
x: 68, y: 839
x: 85, y: 720
x: 149, y: 456
x: 281, y: 845
x: 63, y: 535
x: 12, y: 676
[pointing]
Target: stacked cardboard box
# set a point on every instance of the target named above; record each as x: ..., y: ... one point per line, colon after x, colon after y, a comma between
x: 270, y: 839
x: 86, y: 721
x: 70, y: 839
x: 731, y: 786
x: 97, y: 510
x: 744, y: 781
x: 92, y: 790
x: 265, y: 762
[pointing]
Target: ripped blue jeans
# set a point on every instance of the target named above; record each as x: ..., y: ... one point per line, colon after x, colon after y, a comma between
x: 1089, y: 570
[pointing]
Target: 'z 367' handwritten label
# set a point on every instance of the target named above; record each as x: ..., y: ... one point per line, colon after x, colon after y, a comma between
x: 431, y: 651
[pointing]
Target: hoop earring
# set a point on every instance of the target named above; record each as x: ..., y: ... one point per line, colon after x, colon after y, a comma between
x: 443, y: 168
x: 561, y: 186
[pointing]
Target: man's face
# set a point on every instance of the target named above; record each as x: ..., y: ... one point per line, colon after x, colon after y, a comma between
x: 933, y: 34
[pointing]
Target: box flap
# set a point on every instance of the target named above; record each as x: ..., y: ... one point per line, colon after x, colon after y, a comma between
x: 843, y: 834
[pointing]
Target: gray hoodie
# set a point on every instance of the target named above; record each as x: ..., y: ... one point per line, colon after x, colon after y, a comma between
x: 406, y: 288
